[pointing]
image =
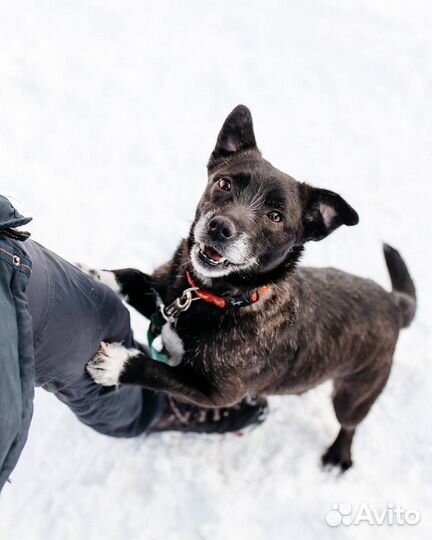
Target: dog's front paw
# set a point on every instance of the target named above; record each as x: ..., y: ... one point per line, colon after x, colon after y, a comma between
x: 103, y: 276
x: 89, y: 271
x: 106, y: 367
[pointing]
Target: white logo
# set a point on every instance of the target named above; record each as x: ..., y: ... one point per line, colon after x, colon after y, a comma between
x: 393, y: 514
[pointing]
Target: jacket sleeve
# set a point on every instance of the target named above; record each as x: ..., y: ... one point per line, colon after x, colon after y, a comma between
x: 16, y: 355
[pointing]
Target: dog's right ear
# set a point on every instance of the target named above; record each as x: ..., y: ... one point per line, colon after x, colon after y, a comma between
x: 236, y: 135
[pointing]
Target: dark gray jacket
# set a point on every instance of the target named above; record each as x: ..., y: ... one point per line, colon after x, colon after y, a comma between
x: 16, y: 351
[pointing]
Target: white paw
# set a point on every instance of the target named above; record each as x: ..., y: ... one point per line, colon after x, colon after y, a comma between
x: 109, y: 363
x: 103, y: 276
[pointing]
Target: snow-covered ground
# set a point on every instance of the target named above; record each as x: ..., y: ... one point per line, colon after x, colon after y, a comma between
x: 108, y: 112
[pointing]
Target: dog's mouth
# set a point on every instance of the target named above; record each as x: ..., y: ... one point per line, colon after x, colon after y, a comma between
x: 211, y: 256
x: 213, y: 259
x: 209, y: 262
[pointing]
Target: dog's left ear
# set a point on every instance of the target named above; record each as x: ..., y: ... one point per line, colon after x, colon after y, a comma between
x: 323, y: 212
x: 236, y: 135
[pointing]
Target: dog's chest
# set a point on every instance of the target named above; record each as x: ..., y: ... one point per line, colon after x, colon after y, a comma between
x: 227, y: 342
x: 215, y: 339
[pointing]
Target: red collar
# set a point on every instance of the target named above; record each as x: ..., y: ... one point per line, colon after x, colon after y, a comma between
x: 224, y: 302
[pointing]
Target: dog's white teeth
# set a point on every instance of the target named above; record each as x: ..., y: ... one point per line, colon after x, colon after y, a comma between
x: 214, y: 259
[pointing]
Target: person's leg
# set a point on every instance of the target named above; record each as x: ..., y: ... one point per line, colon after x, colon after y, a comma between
x: 16, y: 357
x: 118, y: 412
x: 72, y: 315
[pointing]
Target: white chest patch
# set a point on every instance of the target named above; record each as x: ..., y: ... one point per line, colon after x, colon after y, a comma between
x: 172, y: 342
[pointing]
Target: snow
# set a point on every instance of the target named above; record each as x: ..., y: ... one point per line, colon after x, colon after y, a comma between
x: 108, y: 113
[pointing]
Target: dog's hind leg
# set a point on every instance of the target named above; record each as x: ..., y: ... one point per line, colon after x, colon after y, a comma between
x: 339, y: 453
x: 352, y: 399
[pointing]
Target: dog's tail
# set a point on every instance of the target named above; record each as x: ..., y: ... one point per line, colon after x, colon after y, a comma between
x: 403, y: 286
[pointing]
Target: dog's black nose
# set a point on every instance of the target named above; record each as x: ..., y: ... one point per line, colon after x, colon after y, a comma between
x: 221, y: 228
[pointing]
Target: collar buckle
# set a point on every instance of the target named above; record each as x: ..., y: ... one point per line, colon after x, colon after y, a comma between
x: 172, y: 311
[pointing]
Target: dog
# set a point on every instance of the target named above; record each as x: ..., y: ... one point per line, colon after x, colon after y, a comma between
x: 239, y: 318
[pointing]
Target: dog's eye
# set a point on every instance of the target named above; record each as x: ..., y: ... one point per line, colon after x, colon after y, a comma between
x: 275, y: 216
x: 225, y: 184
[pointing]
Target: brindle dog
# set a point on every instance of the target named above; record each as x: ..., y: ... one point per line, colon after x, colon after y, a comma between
x: 309, y: 325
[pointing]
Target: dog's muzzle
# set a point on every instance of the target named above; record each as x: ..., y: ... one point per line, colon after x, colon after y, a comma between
x: 219, y: 247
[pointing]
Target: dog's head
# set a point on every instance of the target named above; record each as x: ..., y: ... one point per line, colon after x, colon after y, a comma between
x: 252, y: 218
